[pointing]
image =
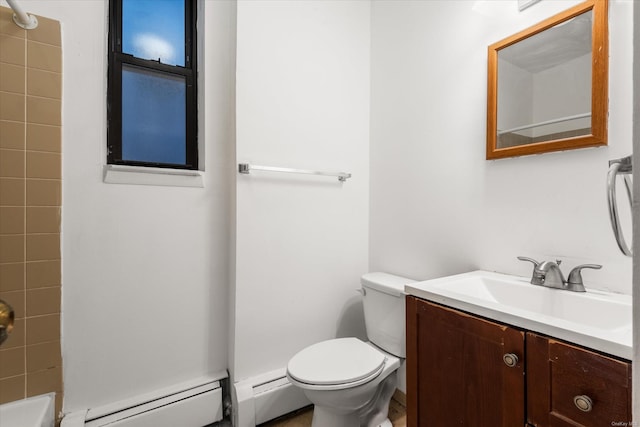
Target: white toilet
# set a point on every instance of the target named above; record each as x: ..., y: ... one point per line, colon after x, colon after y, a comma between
x: 350, y: 381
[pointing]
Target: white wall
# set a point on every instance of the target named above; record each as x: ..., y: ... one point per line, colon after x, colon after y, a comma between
x: 437, y: 206
x: 145, y: 268
x: 302, y: 242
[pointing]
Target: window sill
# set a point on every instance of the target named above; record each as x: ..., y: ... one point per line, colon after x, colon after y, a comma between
x: 120, y: 174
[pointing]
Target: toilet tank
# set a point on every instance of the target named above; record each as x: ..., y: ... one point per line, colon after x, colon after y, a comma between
x: 384, y: 310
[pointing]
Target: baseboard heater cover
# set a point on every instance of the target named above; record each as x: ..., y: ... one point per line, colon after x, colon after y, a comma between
x: 265, y: 397
x: 191, y: 404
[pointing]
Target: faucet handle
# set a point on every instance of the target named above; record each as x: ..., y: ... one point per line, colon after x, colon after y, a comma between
x: 575, y: 276
x: 524, y: 258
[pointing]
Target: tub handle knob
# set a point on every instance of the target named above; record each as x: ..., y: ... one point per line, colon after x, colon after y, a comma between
x: 7, y: 317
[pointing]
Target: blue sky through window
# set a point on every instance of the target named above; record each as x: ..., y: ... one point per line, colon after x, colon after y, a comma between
x: 154, y: 29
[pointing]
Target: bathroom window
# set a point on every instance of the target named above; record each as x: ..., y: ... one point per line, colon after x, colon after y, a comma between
x: 151, y: 100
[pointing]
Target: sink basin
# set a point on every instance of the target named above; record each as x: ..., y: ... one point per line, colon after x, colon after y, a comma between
x: 595, y: 319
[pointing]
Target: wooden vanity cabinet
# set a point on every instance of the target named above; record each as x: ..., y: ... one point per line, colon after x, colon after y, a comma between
x: 461, y: 371
x: 456, y: 375
x: 558, y: 373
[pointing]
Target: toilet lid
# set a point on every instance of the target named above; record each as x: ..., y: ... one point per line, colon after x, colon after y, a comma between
x: 337, y: 361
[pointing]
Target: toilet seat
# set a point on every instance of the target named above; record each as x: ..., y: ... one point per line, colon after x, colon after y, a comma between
x: 336, y: 364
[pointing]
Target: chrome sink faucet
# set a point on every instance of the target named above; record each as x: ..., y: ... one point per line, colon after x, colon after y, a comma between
x: 548, y: 273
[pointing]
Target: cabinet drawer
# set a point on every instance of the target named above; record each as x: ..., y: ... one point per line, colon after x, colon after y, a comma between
x: 558, y: 374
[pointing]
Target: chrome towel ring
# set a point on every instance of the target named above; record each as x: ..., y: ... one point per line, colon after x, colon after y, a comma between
x: 622, y: 166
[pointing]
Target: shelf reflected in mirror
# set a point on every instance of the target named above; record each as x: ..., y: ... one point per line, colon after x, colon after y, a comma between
x: 547, y: 85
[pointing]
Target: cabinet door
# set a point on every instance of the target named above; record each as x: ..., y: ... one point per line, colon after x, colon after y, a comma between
x: 558, y: 372
x: 456, y: 375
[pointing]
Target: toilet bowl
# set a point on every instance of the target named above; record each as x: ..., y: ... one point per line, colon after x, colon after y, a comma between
x: 349, y: 381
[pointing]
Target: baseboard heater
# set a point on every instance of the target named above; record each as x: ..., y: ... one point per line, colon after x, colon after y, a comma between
x: 193, y: 404
x: 265, y: 397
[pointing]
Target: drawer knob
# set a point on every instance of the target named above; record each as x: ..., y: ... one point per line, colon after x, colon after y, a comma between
x: 510, y: 360
x: 584, y: 403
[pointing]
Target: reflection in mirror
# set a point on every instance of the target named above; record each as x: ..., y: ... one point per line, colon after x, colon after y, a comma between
x: 547, y: 86
x: 544, y: 85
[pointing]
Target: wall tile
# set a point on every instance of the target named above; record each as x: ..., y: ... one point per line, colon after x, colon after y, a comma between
x: 12, y: 135
x: 43, y: 220
x: 42, y: 247
x: 43, y: 274
x: 48, y: 31
x: 11, y: 248
x: 7, y: 26
x: 12, y: 106
x: 12, y: 362
x: 12, y: 220
x: 12, y: 277
x: 43, y: 329
x: 41, y: 382
x: 44, y: 57
x: 59, y: 400
x: 43, y: 301
x: 13, y: 50
x: 43, y: 83
x: 12, y: 78
x: 44, y: 111
x: 44, y: 138
x: 12, y: 163
x: 43, y: 165
x: 44, y: 192
x: 43, y: 356
x: 12, y: 192
x: 30, y: 199
x: 17, y: 337
x: 12, y: 389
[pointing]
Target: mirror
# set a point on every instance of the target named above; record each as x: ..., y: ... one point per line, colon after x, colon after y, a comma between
x: 547, y: 85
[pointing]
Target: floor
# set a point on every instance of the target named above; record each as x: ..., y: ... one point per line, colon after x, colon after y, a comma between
x: 302, y: 417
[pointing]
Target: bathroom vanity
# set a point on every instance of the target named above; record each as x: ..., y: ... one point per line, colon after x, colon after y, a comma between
x: 466, y: 368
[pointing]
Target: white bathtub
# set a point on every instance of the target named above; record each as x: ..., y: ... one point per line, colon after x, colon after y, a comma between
x: 32, y: 412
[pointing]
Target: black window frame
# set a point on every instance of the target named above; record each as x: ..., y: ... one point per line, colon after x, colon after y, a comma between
x: 114, y: 91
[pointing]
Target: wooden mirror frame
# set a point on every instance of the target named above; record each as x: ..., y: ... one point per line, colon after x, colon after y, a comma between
x: 599, y: 85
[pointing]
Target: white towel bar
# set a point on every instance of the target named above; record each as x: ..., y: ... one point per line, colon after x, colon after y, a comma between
x: 245, y: 168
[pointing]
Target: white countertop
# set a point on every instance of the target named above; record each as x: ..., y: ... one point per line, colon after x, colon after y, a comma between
x: 598, y: 320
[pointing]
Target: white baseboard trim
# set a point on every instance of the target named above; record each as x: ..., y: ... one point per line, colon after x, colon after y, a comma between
x: 265, y: 397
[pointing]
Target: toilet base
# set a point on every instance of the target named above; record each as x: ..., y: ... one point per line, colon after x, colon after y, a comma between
x: 373, y: 414
x: 325, y: 418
